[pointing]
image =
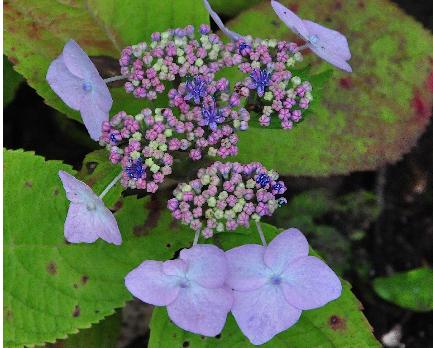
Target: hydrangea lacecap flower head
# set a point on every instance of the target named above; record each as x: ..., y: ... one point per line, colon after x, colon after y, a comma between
x: 328, y: 44
x: 140, y: 144
x: 88, y: 219
x: 274, y: 284
x: 192, y: 287
x: 75, y: 79
x: 226, y: 196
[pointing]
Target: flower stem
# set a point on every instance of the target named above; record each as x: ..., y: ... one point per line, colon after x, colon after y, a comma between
x: 300, y: 48
x: 114, y: 78
x: 197, y: 233
x: 110, y: 185
x: 262, y: 236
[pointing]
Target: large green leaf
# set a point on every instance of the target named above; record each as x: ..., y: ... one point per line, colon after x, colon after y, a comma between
x: 411, y: 290
x: 11, y: 81
x: 53, y: 288
x: 368, y: 118
x: 338, y: 324
x: 35, y: 33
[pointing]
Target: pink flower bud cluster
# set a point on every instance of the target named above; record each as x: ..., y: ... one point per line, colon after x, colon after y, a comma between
x: 226, y: 196
x: 268, y: 64
x: 140, y: 145
x: 209, y: 117
x: 170, y: 54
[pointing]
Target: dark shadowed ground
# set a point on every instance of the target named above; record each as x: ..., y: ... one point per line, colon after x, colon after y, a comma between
x: 377, y: 222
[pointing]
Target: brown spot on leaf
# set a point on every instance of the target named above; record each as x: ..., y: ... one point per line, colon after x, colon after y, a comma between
x: 361, y: 4
x: 52, y: 268
x: 56, y: 192
x: 185, y: 344
x: 139, y: 231
x: 168, y: 245
x: 155, y: 207
x: 337, y: 323
x: 118, y: 205
x: 28, y: 183
x: 76, y: 311
x: 8, y: 314
x: 294, y: 7
x: 275, y: 23
x: 346, y: 82
x: 84, y: 279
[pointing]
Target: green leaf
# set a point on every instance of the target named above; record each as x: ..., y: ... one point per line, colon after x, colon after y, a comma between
x: 103, y: 334
x: 338, y: 324
x: 412, y: 290
x: 366, y: 119
x: 40, y: 30
x: 53, y: 288
x: 11, y: 81
x: 98, y: 172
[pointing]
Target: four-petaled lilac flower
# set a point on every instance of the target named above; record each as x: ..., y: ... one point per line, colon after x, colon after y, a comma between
x: 328, y: 44
x: 230, y: 34
x: 196, y: 88
x: 260, y: 80
x: 192, y: 287
x: 88, y: 219
x: 74, y: 78
x: 211, y: 116
x: 274, y: 284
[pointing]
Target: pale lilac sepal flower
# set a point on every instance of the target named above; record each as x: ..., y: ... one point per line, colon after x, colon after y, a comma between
x: 328, y: 44
x: 273, y: 285
x: 75, y: 79
x: 230, y: 34
x: 192, y: 287
x: 88, y: 219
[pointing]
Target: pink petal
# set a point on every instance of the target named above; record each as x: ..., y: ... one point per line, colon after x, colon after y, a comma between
x: 67, y: 86
x: 79, y: 225
x: 230, y: 34
x: 76, y: 190
x: 285, y: 248
x: 207, y: 265
x: 247, y: 270
x: 175, y: 267
x: 101, y: 93
x: 309, y: 283
x: 263, y: 313
x: 77, y: 61
x: 290, y: 19
x: 331, y: 58
x: 93, y: 117
x: 84, y: 225
x: 200, y: 310
x: 106, y: 225
x: 148, y: 283
x: 332, y: 40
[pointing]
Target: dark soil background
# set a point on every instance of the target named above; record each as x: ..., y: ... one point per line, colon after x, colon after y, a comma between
x: 391, y: 230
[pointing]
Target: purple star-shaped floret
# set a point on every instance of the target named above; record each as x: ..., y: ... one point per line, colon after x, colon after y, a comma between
x: 328, y: 44
x: 196, y: 89
x: 273, y: 285
x: 88, y: 219
x: 75, y: 79
x: 192, y: 287
x: 135, y: 169
x: 260, y: 80
x: 211, y: 117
